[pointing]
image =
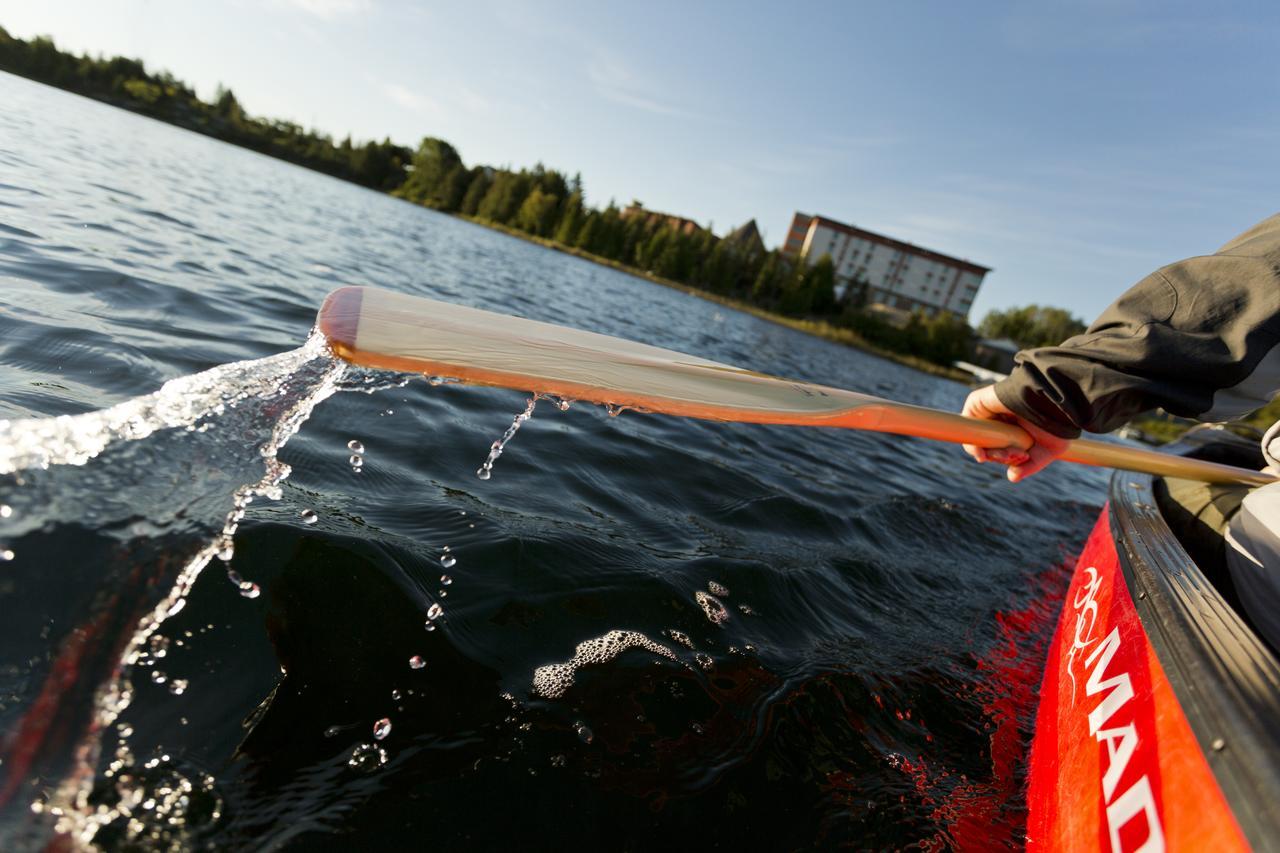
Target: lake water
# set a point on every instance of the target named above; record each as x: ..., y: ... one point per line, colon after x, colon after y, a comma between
x: 887, y: 600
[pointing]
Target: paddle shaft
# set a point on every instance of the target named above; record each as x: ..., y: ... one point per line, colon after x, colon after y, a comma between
x: 381, y: 329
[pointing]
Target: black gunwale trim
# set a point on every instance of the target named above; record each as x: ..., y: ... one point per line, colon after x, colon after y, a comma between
x: 1224, y: 677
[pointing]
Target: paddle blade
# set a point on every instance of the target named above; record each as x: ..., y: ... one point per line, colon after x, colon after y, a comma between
x: 378, y: 328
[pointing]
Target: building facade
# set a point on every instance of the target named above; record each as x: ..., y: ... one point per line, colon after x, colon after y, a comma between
x: 885, y: 271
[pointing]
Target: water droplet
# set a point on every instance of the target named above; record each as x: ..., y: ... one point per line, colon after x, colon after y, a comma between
x: 5, y: 510
x: 367, y: 758
x: 308, y: 516
x: 430, y: 626
x: 395, y: 695
x: 448, y: 560
x: 158, y: 677
x: 249, y: 589
x: 557, y: 761
x: 5, y: 555
x: 178, y: 686
x: 614, y: 409
x: 126, y: 731
x: 495, y: 450
x: 435, y: 611
x: 382, y: 728
x: 746, y: 609
x: 584, y: 734
x: 355, y: 446
x: 226, y: 552
x: 445, y: 580
x: 356, y: 460
x: 416, y: 662
x: 332, y: 731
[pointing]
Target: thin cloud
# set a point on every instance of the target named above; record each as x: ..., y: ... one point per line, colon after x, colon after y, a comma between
x: 411, y: 100
x: 614, y: 81
x: 331, y: 9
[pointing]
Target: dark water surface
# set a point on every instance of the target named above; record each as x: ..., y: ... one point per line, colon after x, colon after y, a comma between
x: 886, y: 599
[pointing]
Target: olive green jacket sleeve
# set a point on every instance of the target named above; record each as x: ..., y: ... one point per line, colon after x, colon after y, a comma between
x: 1197, y: 338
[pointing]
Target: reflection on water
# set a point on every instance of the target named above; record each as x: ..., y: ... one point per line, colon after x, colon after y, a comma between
x: 645, y: 632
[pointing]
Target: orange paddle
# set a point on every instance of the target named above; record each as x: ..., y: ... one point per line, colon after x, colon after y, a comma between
x: 378, y: 328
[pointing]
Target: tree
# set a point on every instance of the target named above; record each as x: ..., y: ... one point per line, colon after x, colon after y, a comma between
x: 571, y: 216
x: 434, y: 160
x: 537, y: 213
x: 1031, y: 325
x: 476, y: 191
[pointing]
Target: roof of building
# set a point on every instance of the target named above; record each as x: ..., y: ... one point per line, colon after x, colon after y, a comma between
x: 900, y: 245
x: 746, y: 236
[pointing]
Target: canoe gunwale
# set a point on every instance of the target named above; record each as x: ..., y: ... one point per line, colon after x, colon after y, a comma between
x: 1226, y: 679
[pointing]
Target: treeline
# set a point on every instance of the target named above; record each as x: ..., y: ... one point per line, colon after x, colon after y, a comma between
x: 127, y: 83
x: 543, y: 203
x: 551, y: 205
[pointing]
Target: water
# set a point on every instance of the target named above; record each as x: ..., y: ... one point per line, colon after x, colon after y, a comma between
x: 880, y: 603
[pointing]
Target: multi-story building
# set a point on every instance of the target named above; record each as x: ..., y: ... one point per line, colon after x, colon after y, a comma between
x: 884, y: 270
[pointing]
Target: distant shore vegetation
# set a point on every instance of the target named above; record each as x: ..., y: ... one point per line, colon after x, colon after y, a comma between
x: 543, y: 204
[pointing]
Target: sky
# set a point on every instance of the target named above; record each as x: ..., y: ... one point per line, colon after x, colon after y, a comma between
x: 1073, y: 147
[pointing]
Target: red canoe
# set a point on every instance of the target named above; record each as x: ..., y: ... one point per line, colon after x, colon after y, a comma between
x: 1159, y: 719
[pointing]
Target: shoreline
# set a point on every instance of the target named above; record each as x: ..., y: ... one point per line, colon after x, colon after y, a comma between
x: 815, y: 328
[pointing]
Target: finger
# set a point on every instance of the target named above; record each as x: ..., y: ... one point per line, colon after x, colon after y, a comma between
x: 1008, y: 455
x: 978, y: 453
x: 1039, y: 459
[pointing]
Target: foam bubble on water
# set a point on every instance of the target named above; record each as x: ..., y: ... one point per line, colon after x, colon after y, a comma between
x: 382, y: 728
x: 178, y: 686
x: 703, y: 659
x: 485, y: 471
x: 355, y: 446
x: 552, y: 680
x: 435, y: 611
x: 447, y: 560
x: 746, y: 609
x: 308, y: 516
x: 680, y: 637
x: 713, y: 607
x: 416, y: 662
x: 367, y: 758
x: 718, y: 589
x: 445, y: 580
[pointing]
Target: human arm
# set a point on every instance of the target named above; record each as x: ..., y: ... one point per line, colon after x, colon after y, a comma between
x: 1197, y: 338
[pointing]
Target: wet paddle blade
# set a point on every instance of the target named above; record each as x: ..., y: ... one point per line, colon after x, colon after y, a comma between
x: 378, y: 328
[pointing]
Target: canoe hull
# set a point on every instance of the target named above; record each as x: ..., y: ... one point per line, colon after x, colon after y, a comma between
x: 1114, y: 763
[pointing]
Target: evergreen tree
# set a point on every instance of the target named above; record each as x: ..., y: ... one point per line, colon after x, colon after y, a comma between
x: 571, y: 216
x: 476, y: 192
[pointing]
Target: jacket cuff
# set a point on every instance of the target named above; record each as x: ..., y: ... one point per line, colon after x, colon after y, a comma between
x: 1020, y: 398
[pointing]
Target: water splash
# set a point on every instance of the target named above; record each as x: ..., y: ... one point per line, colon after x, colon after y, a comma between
x: 486, y: 470
x: 219, y: 408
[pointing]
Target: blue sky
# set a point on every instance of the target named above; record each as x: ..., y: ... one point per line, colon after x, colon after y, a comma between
x: 1074, y: 147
